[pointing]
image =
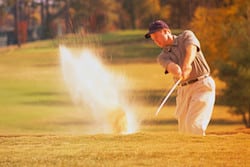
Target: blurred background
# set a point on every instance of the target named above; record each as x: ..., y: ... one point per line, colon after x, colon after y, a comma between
x: 29, y: 20
x: 39, y: 122
x: 222, y: 26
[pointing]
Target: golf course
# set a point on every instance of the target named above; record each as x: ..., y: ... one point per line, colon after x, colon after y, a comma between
x: 40, y: 125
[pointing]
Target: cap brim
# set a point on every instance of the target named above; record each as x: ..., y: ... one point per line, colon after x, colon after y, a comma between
x: 148, y: 35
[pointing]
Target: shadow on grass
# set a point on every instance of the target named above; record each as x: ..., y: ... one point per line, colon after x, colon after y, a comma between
x: 47, y: 65
x: 155, y: 97
x: 71, y: 123
x: 173, y: 121
x: 48, y: 103
x: 44, y: 99
x: 224, y: 122
x: 159, y: 122
x: 233, y: 132
x: 152, y: 97
x: 46, y: 94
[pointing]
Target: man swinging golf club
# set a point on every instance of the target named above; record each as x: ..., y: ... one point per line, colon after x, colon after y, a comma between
x: 182, y: 57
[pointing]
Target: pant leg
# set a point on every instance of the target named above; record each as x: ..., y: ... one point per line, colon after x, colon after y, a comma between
x: 200, y: 107
x: 181, y: 108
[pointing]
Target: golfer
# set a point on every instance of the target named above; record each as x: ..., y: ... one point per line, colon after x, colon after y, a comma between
x: 182, y: 57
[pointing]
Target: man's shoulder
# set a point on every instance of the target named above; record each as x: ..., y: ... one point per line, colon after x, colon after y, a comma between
x: 188, y: 36
x: 186, y: 33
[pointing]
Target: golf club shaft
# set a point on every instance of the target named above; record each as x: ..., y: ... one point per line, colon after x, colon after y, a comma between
x: 166, y: 98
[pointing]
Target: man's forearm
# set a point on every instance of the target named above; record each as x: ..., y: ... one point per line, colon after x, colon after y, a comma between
x: 189, y: 58
x: 174, y: 69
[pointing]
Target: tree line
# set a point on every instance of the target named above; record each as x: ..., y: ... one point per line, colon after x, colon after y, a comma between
x: 53, y: 17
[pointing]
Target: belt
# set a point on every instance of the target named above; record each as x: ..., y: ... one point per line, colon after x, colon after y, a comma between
x: 194, y: 80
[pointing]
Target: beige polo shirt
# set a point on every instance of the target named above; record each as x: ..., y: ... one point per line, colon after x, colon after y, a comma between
x: 177, y: 51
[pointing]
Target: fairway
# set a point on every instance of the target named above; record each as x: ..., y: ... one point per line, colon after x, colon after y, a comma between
x: 41, y: 126
x: 159, y: 148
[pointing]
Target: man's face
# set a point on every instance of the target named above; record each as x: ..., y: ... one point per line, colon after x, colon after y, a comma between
x: 161, y: 38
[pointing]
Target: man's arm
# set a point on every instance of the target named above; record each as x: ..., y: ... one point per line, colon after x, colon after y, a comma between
x: 174, y: 69
x: 191, y: 51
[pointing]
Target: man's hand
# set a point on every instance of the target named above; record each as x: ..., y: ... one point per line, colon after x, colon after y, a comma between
x: 175, y: 70
x: 186, y: 70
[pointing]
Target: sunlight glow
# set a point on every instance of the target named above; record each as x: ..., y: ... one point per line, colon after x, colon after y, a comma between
x: 91, y: 84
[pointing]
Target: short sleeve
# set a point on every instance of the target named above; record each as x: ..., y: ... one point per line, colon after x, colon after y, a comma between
x: 164, y: 59
x: 190, y: 38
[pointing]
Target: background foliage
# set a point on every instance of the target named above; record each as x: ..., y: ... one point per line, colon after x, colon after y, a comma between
x: 221, y: 25
x: 224, y: 33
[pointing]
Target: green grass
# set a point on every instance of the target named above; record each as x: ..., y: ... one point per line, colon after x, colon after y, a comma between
x: 40, y: 126
x: 141, y: 149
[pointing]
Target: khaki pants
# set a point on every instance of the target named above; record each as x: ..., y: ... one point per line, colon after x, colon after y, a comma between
x: 195, y: 104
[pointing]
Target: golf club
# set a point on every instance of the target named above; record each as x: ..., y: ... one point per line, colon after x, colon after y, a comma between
x: 166, y: 98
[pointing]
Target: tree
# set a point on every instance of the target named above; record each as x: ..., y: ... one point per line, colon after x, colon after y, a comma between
x: 209, y: 25
x: 235, y: 70
x: 225, y: 34
x: 139, y: 13
x: 146, y: 12
x: 182, y: 11
x: 96, y: 16
x: 128, y: 16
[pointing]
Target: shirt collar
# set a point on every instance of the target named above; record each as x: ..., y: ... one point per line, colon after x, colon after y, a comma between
x: 175, y: 43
